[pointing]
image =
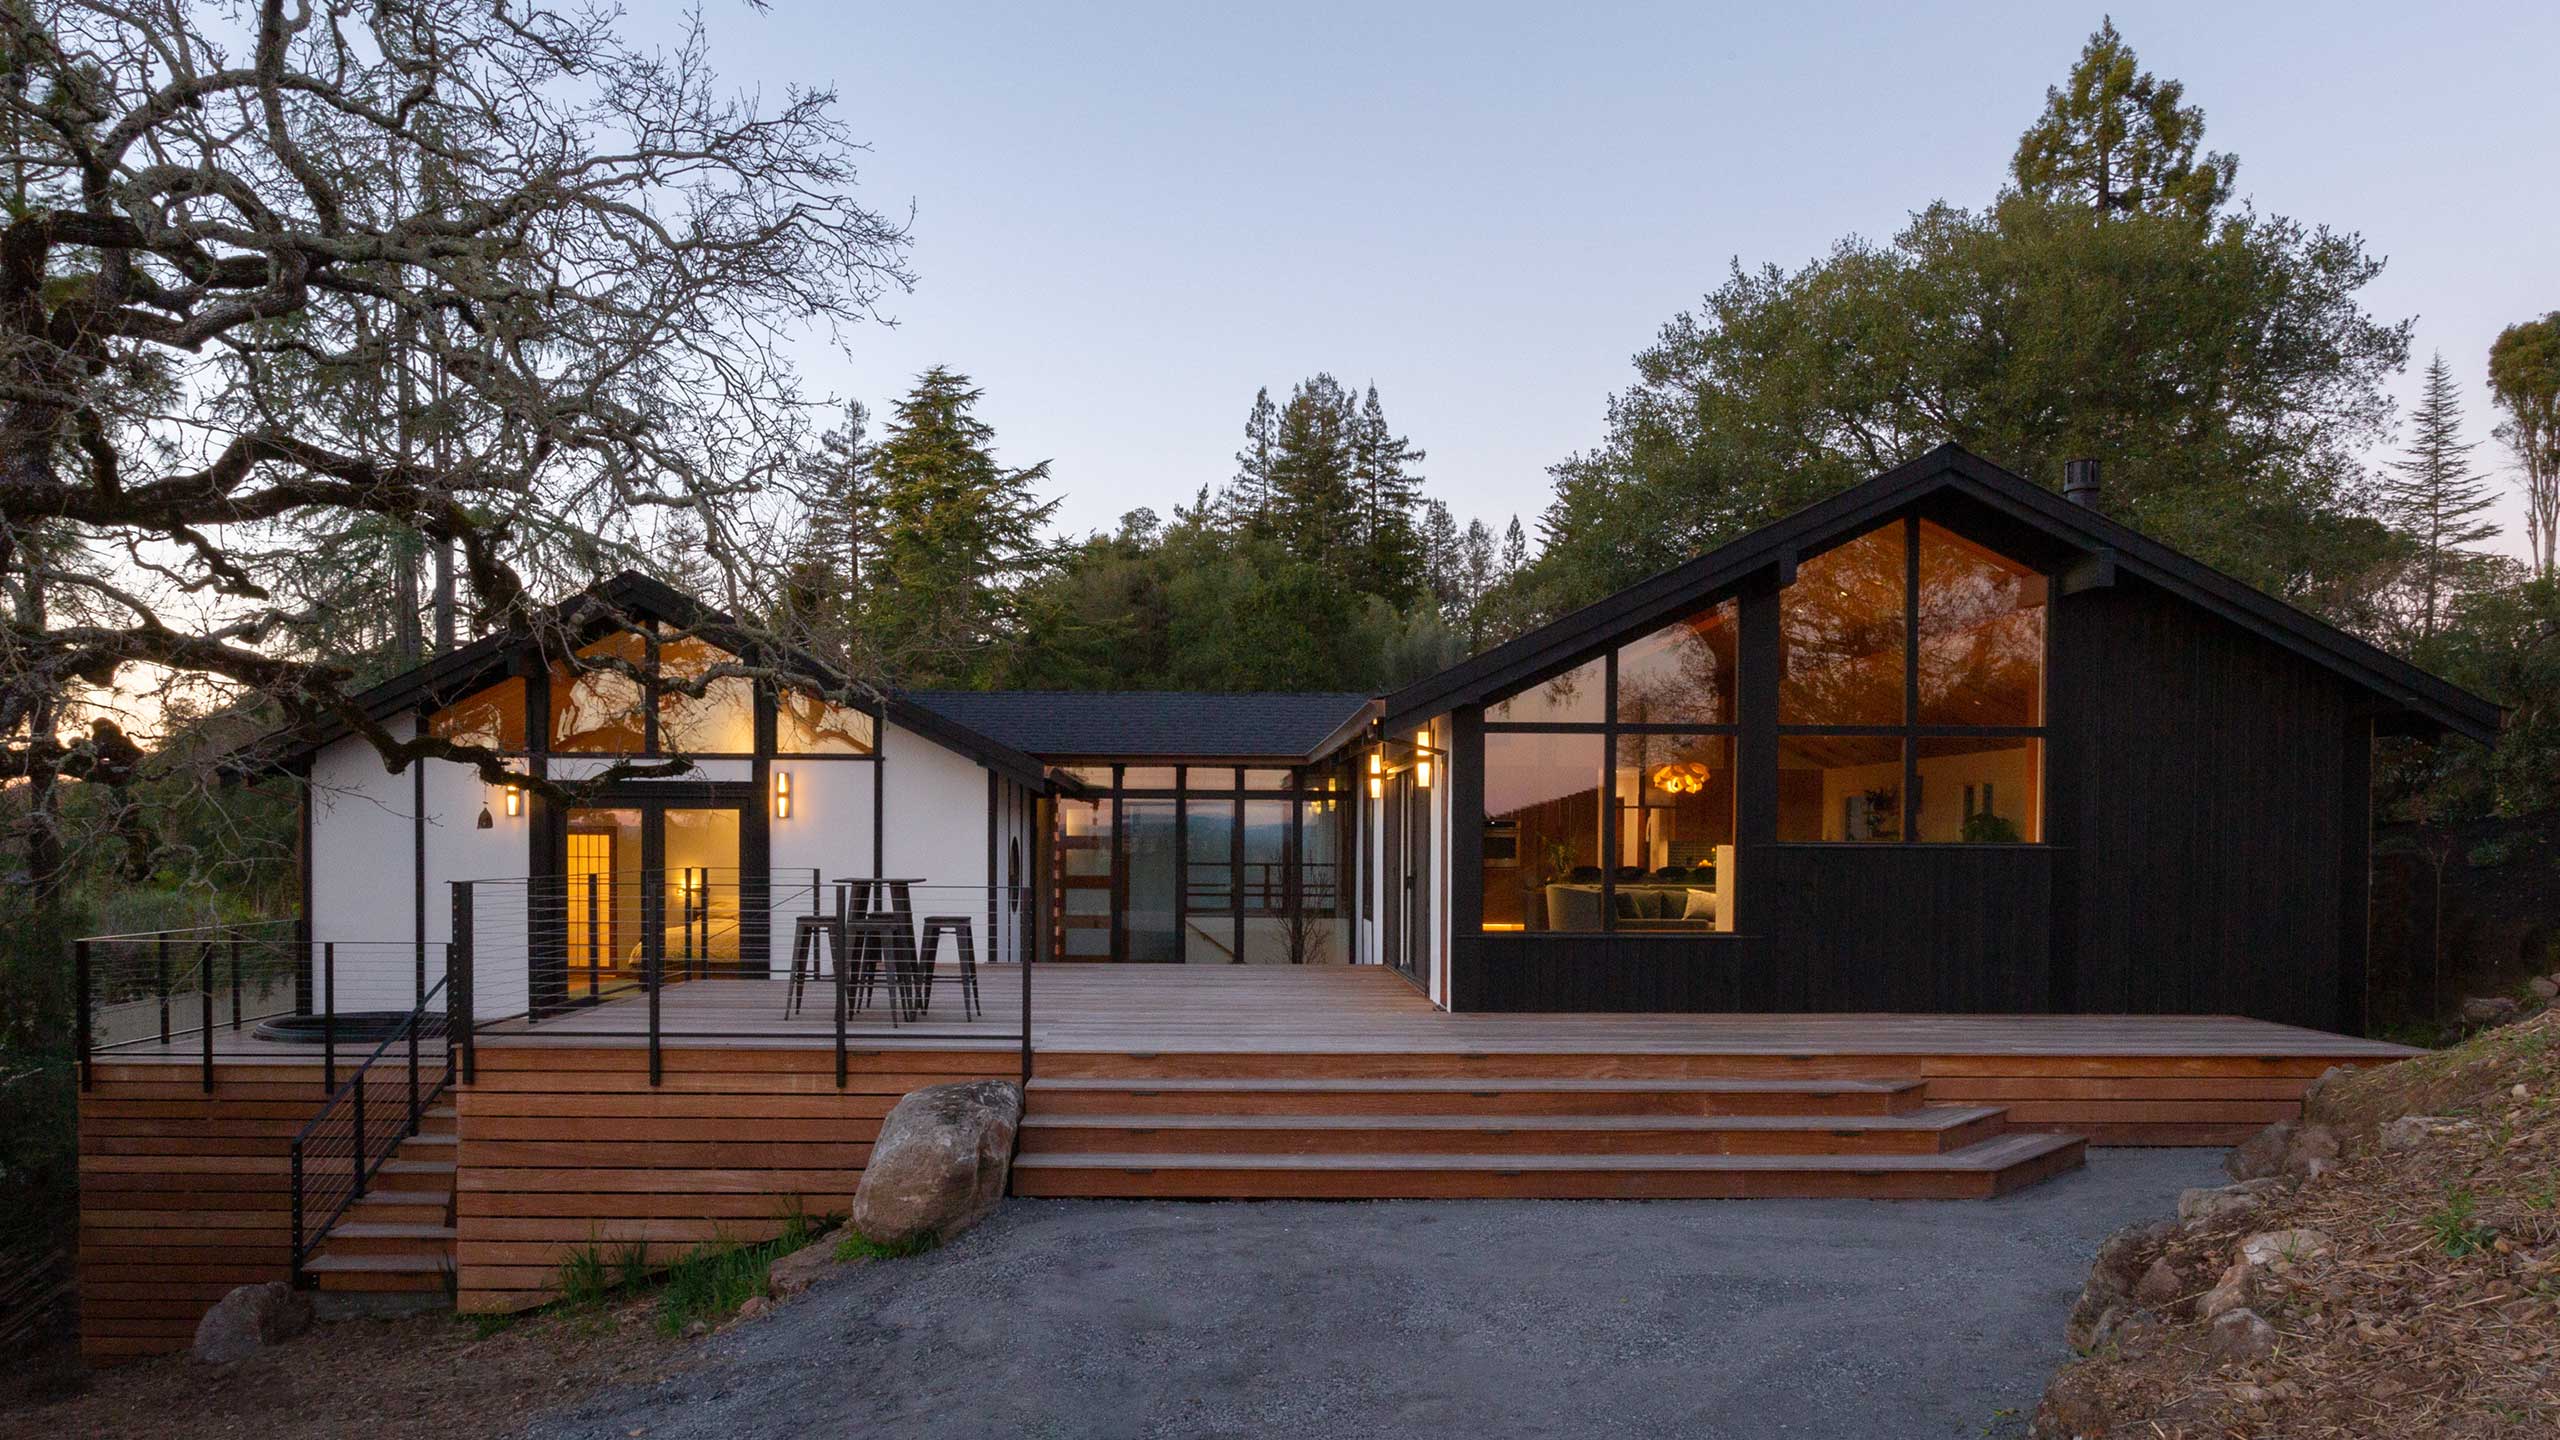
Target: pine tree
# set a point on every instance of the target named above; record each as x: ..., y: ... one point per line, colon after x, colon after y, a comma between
x: 1314, y: 506
x: 1515, y: 551
x: 2115, y: 136
x: 1388, y: 489
x: 1246, y: 505
x: 1439, y: 552
x: 840, y: 546
x: 2433, y: 496
x: 958, y: 536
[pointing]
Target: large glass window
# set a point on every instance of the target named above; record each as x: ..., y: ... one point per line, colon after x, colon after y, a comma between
x: 720, y: 721
x: 602, y: 711
x: 1683, y: 673
x: 493, y: 718
x: 806, y: 724
x: 1674, y: 795
x: 1543, y: 798
x: 1911, y: 712
x: 1579, y: 696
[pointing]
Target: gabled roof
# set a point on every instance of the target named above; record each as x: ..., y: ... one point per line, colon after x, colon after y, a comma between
x: 450, y: 676
x: 1171, y: 725
x: 1948, y: 468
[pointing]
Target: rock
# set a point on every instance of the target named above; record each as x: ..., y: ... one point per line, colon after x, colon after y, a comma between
x: 2310, y: 1145
x: 2411, y: 1131
x: 2072, y: 1409
x: 939, y: 1165
x: 2122, y: 1258
x: 2240, y: 1336
x: 2159, y: 1285
x: 2236, y: 1290
x: 2315, y: 1095
x: 249, y: 1319
x: 2488, y: 1009
x: 2129, y: 1331
x: 2271, y: 1247
x: 2203, y: 1204
x: 801, y: 1268
x: 754, y: 1306
x: 2261, y: 1155
x: 2545, y: 988
x: 695, y: 1330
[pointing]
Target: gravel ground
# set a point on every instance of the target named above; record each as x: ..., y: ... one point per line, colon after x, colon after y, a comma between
x: 1486, y: 1319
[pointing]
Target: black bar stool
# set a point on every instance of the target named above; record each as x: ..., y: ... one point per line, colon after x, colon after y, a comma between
x: 809, y: 935
x: 959, y: 929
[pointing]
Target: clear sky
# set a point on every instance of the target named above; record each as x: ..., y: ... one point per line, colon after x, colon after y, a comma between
x: 1127, y: 217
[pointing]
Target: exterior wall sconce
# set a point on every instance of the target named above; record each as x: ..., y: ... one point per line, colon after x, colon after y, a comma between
x: 515, y: 801
x: 1378, y: 774
x: 510, y: 796
x: 781, y: 794
x: 1422, y: 759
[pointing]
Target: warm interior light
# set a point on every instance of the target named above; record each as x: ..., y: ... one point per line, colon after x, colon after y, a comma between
x: 1682, y: 777
x: 515, y: 801
x: 781, y: 794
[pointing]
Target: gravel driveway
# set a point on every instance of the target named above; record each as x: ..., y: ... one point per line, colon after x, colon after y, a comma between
x: 1482, y: 1319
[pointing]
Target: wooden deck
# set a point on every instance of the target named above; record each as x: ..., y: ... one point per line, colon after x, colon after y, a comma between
x: 1149, y: 1081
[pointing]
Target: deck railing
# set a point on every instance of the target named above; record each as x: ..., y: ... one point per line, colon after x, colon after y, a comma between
x: 339, y: 1151
x: 711, y: 956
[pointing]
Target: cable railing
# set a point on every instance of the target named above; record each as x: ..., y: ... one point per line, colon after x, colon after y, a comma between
x: 339, y: 1151
x: 699, y: 954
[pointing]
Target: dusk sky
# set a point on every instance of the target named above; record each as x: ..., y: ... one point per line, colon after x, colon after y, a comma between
x: 1128, y: 217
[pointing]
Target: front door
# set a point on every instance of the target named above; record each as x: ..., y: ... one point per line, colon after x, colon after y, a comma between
x: 655, y: 880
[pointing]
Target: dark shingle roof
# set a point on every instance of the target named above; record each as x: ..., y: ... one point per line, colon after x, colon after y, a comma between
x: 1152, y: 724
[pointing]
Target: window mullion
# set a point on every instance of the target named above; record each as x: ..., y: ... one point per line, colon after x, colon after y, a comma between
x: 1910, y: 677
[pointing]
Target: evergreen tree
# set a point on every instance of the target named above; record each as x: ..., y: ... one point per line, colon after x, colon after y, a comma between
x: 1314, y: 507
x: 2114, y: 137
x: 840, y: 544
x: 1389, y: 489
x: 1247, y: 501
x: 958, y: 536
x: 1515, y: 550
x: 2433, y: 497
x: 1438, y: 544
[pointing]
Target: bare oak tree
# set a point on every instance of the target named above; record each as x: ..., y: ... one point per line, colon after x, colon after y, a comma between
x: 279, y: 282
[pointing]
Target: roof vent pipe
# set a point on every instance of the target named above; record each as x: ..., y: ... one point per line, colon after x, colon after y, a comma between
x: 2080, y: 482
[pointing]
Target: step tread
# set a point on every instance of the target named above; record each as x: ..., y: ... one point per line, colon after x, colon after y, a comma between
x: 1983, y: 1156
x: 376, y: 1264
x: 388, y: 1230
x: 1934, y: 1117
x: 1463, y: 1087
x: 416, y: 1167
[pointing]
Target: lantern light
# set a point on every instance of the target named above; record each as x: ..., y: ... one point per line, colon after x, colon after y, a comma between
x: 515, y: 801
x: 781, y: 794
x: 1422, y: 759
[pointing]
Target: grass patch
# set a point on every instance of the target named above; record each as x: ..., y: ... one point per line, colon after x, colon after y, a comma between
x: 584, y: 1276
x: 484, y: 1327
x: 2453, y: 1227
x: 858, y: 1246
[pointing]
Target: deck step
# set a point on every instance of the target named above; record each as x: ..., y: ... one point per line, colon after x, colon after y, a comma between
x: 1931, y: 1130
x: 1494, y: 1096
x: 379, y: 1273
x: 1987, y: 1168
x: 401, y: 1164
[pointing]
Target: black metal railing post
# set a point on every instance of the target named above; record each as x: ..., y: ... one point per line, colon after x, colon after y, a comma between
x: 204, y: 1009
x: 301, y: 1280
x: 417, y: 1017
x: 653, y: 957
x: 160, y: 982
x: 329, y: 1016
x: 356, y: 1097
x: 80, y: 1023
x: 458, y: 979
x: 235, y: 981
x: 1026, y: 1004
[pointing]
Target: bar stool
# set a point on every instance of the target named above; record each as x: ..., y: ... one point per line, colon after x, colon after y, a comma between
x: 959, y: 929
x: 809, y: 934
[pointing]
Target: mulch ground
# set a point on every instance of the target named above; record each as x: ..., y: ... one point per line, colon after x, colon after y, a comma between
x: 421, y: 1378
x: 2435, y: 1310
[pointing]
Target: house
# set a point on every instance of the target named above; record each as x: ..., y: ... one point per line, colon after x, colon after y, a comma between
x: 1895, y: 849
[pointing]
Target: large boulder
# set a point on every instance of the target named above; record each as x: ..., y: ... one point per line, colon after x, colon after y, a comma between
x: 2261, y: 1155
x: 940, y: 1163
x: 248, y: 1320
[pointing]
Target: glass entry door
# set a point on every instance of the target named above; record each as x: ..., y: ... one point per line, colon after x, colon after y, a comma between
x: 652, y: 880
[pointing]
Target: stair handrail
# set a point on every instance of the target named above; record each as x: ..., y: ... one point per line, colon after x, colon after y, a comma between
x: 424, y: 1088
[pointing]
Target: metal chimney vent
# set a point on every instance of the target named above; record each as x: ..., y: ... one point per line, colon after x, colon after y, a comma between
x: 2080, y: 482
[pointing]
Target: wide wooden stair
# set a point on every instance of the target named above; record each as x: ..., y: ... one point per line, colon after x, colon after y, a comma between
x: 395, y: 1245
x: 1337, y: 1127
